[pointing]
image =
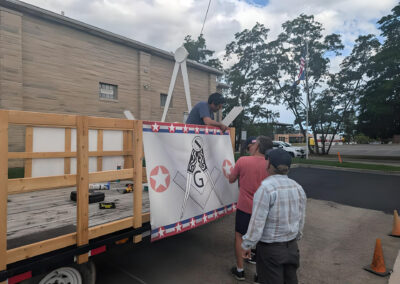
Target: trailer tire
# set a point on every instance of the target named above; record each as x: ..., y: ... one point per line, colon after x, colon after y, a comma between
x: 76, y: 274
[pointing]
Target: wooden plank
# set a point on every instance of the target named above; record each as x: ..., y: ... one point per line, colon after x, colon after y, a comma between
x: 31, y: 250
x: 109, y: 123
x: 99, y: 149
x: 35, y: 249
x: 138, y: 161
x: 28, y: 148
x: 21, y: 185
x: 232, y: 132
x: 82, y: 182
x: 41, y: 119
x: 3, y: 187
x: 111, y: 175
x: 115, y: 226
x: 125, y: 147
x: 128, y: 147
x: 67, y: 161
x: 49, y: 155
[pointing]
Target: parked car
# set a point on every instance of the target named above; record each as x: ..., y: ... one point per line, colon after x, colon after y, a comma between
x: 292, y: 150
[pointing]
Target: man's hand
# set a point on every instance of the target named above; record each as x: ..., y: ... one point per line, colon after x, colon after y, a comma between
x: 223, y: 127
x: 246, y: 254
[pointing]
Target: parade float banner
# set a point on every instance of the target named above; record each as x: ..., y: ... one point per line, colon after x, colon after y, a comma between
x: 187, y: 169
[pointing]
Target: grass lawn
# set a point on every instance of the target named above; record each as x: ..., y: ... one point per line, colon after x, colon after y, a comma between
x: 347, y: 165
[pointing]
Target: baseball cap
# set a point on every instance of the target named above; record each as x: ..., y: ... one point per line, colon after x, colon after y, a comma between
x: 278, y: 157
x: 251, y: 140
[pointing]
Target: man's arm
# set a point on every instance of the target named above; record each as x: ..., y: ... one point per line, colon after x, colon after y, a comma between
x: 302, y: 209
x: 208, y: 121
x: 258, y: 218
x: 235, y: 172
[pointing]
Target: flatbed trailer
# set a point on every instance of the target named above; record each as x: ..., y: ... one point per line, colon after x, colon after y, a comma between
x: 44, y: 236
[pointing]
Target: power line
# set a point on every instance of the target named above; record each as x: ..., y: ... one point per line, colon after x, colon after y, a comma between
x: 201, y: 32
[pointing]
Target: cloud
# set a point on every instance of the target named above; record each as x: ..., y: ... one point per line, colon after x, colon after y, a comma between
x: 165, y: 23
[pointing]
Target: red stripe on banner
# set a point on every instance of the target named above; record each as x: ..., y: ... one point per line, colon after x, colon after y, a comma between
x: 20, y: 277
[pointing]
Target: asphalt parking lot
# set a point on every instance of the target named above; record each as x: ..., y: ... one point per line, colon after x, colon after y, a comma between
x: 338, y: 239
x: 378, y: 150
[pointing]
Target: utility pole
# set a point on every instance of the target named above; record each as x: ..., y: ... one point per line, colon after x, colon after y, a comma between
x: 307, y: 90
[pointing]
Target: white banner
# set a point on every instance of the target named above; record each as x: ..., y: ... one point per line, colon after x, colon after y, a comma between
x: 187, y: 170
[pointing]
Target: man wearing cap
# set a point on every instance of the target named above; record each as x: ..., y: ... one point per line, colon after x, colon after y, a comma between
x: 251, y: 171
x: 276, y: 223
x: 203, y: 112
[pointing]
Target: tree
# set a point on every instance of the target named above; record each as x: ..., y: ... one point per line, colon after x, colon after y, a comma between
x: 380, y: 103
x: 198, y: 52
x: 246, y: 84
x: 287, y: 50
x: 348, y: 83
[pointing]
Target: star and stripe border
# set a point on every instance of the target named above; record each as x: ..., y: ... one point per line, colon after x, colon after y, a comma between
x: 191, y: 223
x: 165, y: 127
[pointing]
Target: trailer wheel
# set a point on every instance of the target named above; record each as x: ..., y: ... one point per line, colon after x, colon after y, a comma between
x: 75, y: 274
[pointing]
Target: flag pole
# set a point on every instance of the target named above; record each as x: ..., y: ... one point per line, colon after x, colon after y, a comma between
x: 306, y: 61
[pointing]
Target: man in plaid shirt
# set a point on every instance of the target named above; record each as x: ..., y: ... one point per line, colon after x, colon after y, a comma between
x: 276, y: 223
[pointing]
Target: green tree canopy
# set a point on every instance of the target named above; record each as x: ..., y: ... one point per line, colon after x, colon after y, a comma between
x: 379, y: 115
x: 198, y: 51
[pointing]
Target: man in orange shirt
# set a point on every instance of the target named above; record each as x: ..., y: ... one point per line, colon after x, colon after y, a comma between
x: 251, y: 171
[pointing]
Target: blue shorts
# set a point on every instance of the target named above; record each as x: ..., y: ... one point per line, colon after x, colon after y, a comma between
x: 242, y: 222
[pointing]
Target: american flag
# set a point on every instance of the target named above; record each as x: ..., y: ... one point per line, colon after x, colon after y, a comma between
x: 302, y: 73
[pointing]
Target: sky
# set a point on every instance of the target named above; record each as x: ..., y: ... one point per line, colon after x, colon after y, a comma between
x: 165, y: 23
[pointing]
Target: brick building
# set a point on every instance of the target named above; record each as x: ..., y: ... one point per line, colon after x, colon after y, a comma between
x: 52, y: 63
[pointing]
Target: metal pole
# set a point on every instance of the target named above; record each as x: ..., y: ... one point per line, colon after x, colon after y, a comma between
x: 306, y: 59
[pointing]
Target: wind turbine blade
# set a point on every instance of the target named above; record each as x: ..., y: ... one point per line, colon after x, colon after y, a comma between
x: 170, y: 90
x: 186, y: 85
x: 129, y: 115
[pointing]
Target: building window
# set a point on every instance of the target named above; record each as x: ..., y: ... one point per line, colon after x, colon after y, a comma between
x: 282, y: 138
x: 108, y: 91
x: 163, y: 100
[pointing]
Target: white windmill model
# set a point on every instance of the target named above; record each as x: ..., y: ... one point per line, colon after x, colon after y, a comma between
x: 180, y: 56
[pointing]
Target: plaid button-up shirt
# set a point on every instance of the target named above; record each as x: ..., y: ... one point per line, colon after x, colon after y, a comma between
x: 278, y: 214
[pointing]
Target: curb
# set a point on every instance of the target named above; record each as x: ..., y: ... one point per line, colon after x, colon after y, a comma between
x: 345, y: 169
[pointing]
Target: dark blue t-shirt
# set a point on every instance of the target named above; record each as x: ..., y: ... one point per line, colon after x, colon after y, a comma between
x: 199, y: 111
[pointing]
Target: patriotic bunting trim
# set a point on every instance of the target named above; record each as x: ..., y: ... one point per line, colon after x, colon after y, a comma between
x: 191, y: 223
x: 156, y: 126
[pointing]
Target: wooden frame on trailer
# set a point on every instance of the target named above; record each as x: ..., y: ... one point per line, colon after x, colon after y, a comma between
x: 81, y: 179
x: 133, y: 159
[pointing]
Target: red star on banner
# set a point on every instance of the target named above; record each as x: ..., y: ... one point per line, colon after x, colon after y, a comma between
x: 205, y: 218
x: 171, y: 128
x: 227, y: 168
x: 155, y: 127
x: 197, y: 130
x: 233, y: 207
x: 206, y: 130
x: 159, y: 178
x: 185, y: 129
x: 215, y: 131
